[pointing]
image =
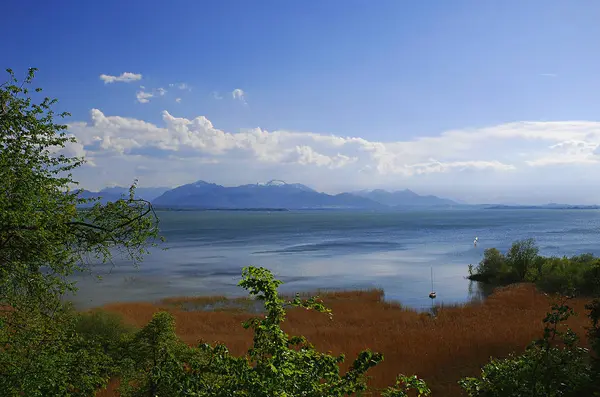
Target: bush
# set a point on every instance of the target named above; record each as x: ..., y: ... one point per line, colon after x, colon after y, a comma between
x: 104, y: 328
x: 490, y: 265
x: 521, y: 257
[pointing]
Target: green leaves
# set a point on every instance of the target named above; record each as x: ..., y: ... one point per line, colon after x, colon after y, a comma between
x: 405, y: 384
x: 44, y: 238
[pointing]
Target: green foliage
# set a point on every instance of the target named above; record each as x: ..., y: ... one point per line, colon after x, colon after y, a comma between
x: 521, y: 257
x: 545, y: 369
x: 154, y: 361
x: 490, y: 266
x: 104, y: 329
x: 405, y: 384
x: 578, y: 274
x: 45, y: 238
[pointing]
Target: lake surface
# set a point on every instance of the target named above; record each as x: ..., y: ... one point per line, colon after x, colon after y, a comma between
x: 335, y: 250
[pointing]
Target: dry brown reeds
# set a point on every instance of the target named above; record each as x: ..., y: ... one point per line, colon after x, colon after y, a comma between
x: 441, y: 350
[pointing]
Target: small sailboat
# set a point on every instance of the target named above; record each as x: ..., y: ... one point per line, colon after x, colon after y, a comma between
x: 475, y: 241
x: 432, y: 294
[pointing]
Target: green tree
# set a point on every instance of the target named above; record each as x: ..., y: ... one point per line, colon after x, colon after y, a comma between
x: 489, y: 267
x: 521, y: 257
x: 44, y: 238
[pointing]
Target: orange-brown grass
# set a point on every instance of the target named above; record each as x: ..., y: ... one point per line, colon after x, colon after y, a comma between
x: 441, y: 350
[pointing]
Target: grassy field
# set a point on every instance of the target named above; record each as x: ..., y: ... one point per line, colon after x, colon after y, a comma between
x: 441, y: 350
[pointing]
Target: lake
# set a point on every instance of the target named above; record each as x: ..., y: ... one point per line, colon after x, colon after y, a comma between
x: 395, y: 251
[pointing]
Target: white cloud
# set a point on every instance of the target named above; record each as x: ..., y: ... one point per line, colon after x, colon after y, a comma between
x: 178, y: 100
x: 216, y: 95
x: 239, y: 94
x: 161, y: 91
x: 126, y: 77
x: 143, y: 97
x: 306, y: 155
x: 497, y: 159
x: 571, y: 151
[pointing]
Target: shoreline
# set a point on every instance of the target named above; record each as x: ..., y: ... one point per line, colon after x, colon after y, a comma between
x: 455, y: 343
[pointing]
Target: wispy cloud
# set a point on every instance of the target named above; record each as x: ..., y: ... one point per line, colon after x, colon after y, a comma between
x: 216, y: 95
x: 161, y: 91
x: 126, y: 77
x: 144, y: 97
x: 178, y: 100
x: 239, y: 94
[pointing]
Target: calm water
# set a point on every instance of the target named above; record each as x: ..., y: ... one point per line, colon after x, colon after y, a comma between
x: 335, y: 250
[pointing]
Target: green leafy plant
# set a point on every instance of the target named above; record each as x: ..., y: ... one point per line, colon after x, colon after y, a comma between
x: 45, y: 237
x: 405, y: 384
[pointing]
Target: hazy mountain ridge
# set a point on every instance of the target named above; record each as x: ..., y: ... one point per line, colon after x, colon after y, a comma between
x: 117, y: 192
x: 404, y: 198
x: 278, y: 194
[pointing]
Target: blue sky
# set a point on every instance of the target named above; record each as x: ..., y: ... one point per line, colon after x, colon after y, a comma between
x: 467, y: 99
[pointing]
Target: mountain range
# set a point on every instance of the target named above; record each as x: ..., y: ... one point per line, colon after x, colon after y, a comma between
x: 403, y: 198
x: 275, y: 194
x: 278, y: 194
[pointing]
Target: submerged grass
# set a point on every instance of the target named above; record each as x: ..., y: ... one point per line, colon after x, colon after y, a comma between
x: 441, y: 350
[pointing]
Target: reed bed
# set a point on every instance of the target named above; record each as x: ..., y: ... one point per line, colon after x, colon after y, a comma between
x: 442, y: 349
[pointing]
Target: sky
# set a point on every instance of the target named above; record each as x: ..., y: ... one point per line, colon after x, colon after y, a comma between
x: 472, y: 100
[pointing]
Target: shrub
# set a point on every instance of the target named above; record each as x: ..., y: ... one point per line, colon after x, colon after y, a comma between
x: 521, y: 257
x: 103, y: 328
x: 490, y: 265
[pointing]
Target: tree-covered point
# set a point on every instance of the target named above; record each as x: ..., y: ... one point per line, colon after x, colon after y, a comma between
x: 522, y: 262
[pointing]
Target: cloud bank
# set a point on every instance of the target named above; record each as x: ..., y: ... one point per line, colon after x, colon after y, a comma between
x: 180, y: 150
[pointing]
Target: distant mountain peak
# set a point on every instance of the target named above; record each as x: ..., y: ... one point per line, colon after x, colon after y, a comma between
x: 404, y: 197
x: 274, y: 182
x: 201, y: 183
